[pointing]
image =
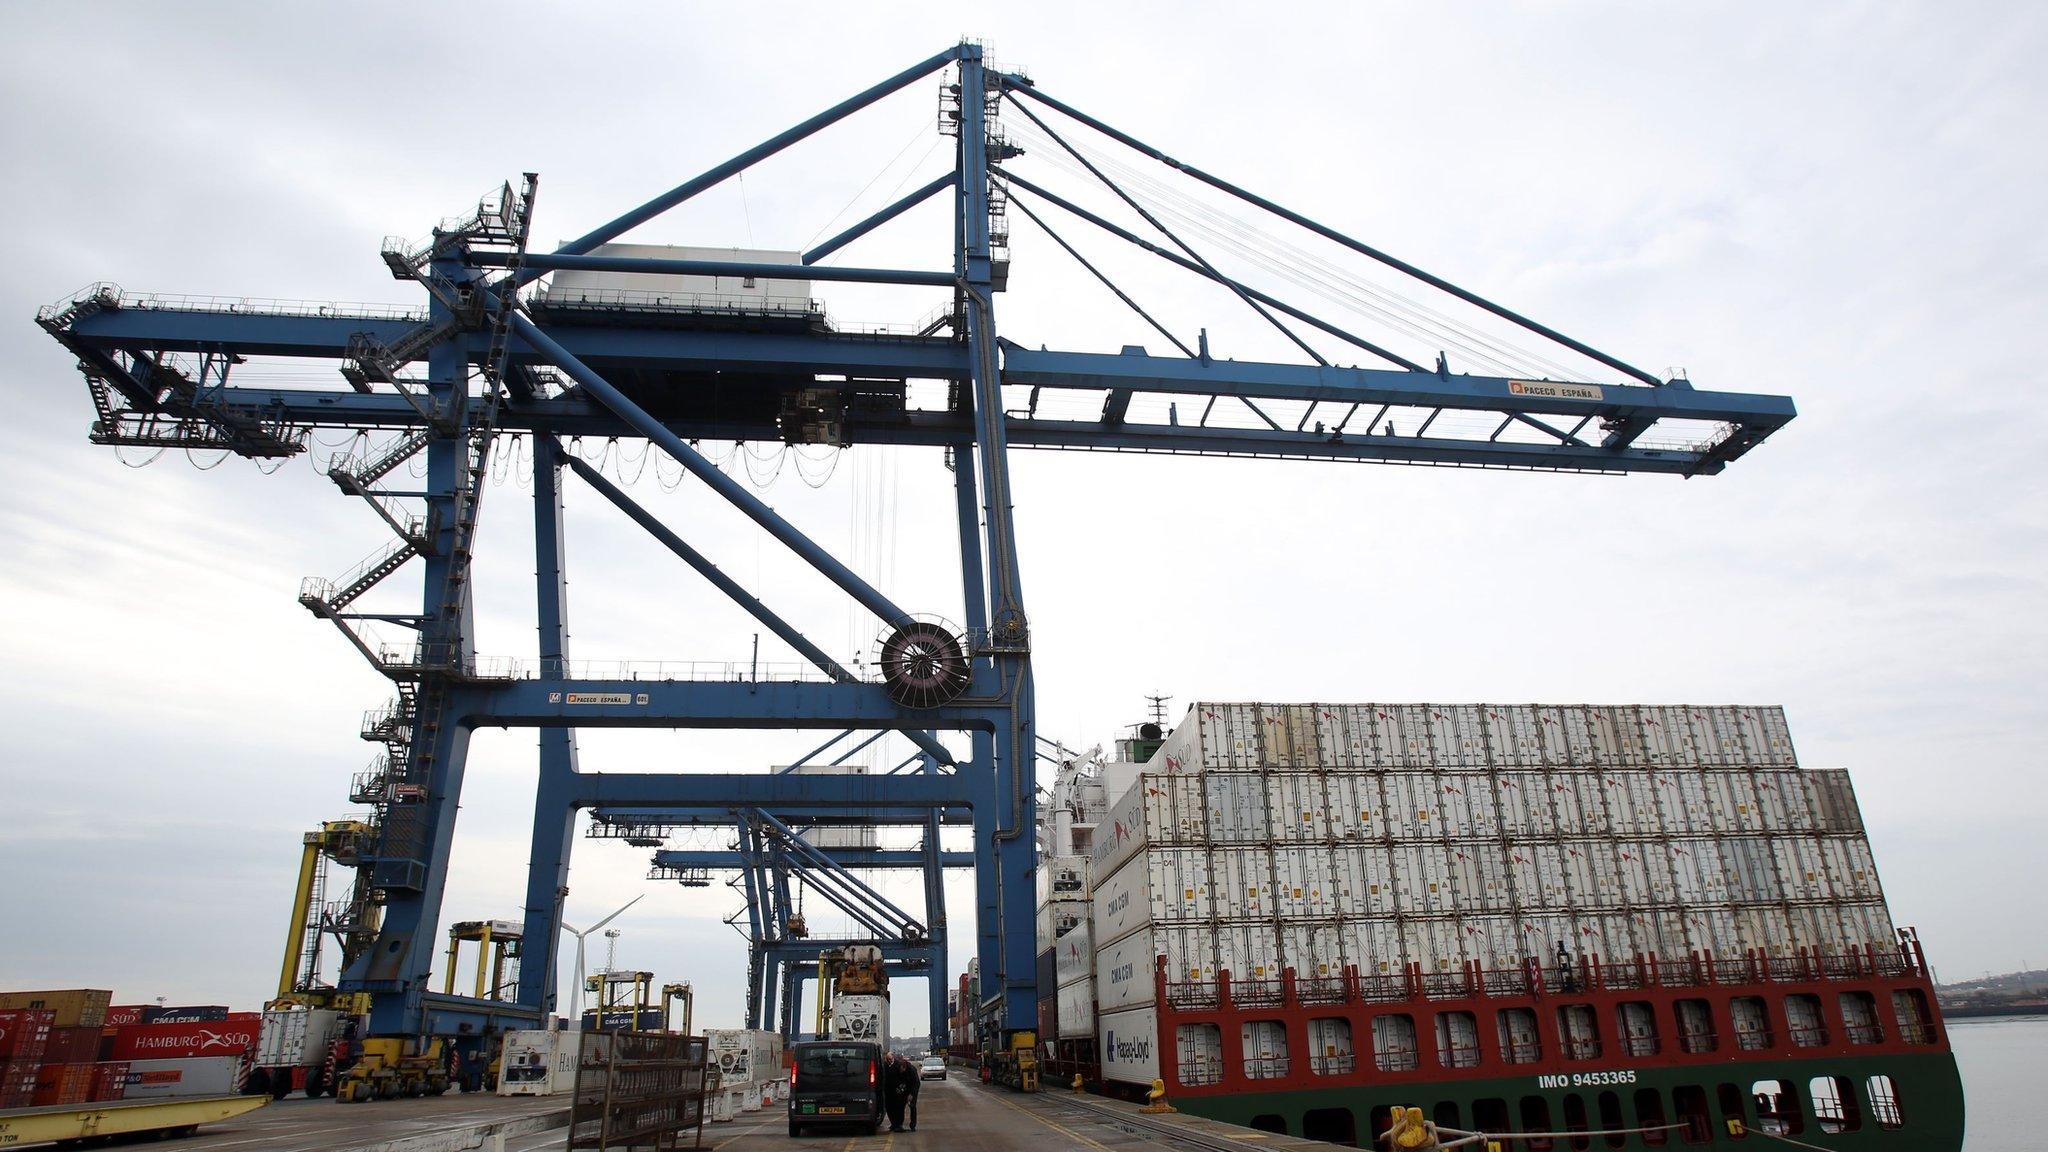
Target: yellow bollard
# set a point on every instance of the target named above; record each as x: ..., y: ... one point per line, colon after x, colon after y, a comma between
x: 1409, y: 1130
x: 1157, y: 1096
x: 1077, y: 1083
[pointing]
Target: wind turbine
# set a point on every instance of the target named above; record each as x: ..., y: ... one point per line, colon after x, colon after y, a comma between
x: 576, y: 1000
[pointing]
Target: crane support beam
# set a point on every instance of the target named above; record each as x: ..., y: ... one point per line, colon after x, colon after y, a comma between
x: 760, y: 790
x: 651, y: 266
x: 880, y: 218
x: 729, y: 861
x: 723, y: 816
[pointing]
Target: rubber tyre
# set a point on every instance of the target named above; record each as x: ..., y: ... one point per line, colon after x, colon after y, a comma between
x: 795, y: 1129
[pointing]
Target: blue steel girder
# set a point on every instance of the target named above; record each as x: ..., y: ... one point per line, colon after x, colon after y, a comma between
x: 707, y: 817
x: 728, y: 860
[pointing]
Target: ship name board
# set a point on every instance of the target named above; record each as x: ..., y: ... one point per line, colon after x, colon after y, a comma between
x: 1551, y: 390
x: 1587, y: 1079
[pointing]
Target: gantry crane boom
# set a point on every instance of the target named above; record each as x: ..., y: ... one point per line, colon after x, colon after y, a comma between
x: 494, y: 353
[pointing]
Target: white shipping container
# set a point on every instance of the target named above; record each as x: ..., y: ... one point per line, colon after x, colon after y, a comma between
x: 1122, y: 832
x: 1077, y: 1008
x: 1064, y: 876
x: 1374, y: 945
x: 1314, y: 950
x: 1124, y: 970
x: 1341, y: 750
x: 1365, y: 879
x: 1422, y: 878
x: 1667, y: 735
x: 1411, y: 805
x: 1800, y: 867
x: 1712, y: 930
x: 1752, y: 870
x: 1731, y: 802
x: 1523, y: 800
x: 1869, y: 925
x: 1644, y: 870
x: 1291, y: 736
x: 193, y: 1076
x: 1436, y: 944
x: 296, y: 1037
x: 537, y: 1063
x: 1617, y: 737
x: 1243, y: 880
x: 1495, y: 942
x: 1817, y: 926
x: 1458, y: 736
x: 1661, y: 933
x: 1536, y: 876
x: 1157, y: 885
x: 1356, y: 809
x: 1786, y: 800
x: 1074, y: 955
x: 1231, y: 738
x: 1298, y: 807
x: 1764, y: 928
x: 1579, y: 801
x: 1590, y: 875
x: 861, y: 1017
x: 1834, y: 800
x: 1631, y: 802
x: 1777, y: 749
x: 1414, y: 750
x: 1236, y: 807
x: 1129, y: 1048
x: 1581, y: 724
x: 1697, y: 874
x: 1541, y: 933
x: 1248, y: 951
x: 744, y: 1055
x: 1607, y: 937
x: 1302, y: 884
x: 1466, y: 806
x: 1514, y: 738
x: 1479, y: 878
x: 1852, y: 871
x: 1388, y: 747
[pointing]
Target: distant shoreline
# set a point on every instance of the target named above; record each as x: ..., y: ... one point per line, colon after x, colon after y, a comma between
x: 1989, y: 1012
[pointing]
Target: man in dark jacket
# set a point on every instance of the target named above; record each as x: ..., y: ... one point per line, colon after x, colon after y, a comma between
x: 915, y: 1079
x: 898, y: 1089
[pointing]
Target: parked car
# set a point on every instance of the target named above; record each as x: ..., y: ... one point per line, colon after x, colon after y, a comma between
x: 932, y: 1068
x: 835, y: 1083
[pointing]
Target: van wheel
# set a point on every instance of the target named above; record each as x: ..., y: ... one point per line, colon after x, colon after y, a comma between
x: 795, y: 1129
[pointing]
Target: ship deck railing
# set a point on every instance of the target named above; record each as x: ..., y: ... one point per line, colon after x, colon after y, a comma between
x: 1697, y: 970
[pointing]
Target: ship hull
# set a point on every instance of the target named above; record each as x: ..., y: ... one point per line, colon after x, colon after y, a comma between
x: 1927, y: 1114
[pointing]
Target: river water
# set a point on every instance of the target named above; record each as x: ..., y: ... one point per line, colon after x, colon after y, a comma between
x: 2005, y: 1081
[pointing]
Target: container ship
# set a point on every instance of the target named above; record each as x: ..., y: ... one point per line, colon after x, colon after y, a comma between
x: 1576, y: 927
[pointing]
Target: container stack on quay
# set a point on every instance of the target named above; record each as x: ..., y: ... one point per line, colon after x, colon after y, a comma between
x: 1066, y: 981
x: 1391, y: 838
x: 74, y: 1046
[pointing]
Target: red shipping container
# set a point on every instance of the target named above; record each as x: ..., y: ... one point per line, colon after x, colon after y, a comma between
x: 24, y: 1034
x: 72, y: 1046
x: 63, y: 1084
x: 121, y: 1015
x: 109, y: 1080
x: 186, y: 1041
x: 17, y: 1083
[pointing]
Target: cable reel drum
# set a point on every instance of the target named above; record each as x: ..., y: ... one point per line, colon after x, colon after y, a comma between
x: 924, y: 664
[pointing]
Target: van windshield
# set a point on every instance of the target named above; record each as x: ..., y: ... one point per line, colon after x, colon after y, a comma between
x: 833, y: 1066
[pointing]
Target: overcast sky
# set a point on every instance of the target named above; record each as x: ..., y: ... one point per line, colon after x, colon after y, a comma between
x: 1836, y: 202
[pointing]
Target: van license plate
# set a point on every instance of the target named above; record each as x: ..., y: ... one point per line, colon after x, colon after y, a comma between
x: 833, y: 1110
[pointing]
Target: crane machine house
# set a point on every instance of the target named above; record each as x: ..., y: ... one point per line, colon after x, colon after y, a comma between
x: 1312, y: 837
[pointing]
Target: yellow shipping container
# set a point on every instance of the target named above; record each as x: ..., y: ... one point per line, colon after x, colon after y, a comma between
x: 75, y: 1007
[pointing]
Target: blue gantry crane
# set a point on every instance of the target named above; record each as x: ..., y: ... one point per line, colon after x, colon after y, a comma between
x: 490, y: 355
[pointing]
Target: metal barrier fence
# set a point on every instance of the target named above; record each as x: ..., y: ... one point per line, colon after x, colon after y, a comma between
x: 639, y: 1090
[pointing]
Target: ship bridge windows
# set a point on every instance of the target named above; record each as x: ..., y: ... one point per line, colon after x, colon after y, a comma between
x: 1519, y: 1043
x: 1884, y: 1103
x: 1638, y: 1028
x: 1835, y: 1108
x: 1457, y: 1039
x: 1578, y: 1031
x: 1859, y: 1018
x: 1329, y: 1046
x: 1803, y: 1022
x: 1265, y: 1049
x: 1916, y: 1023
x: 1752, y: 1023
x: 1777, y: 1108
x: 1198, y: 1052
x: 1696, y: 1026
x: 1696, y: 1124
x: 1393, y: 1043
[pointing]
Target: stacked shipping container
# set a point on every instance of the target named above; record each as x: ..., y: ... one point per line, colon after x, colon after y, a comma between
x: 1312, y: 837
x: 1066, y: 980
x: 69, y: 1047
